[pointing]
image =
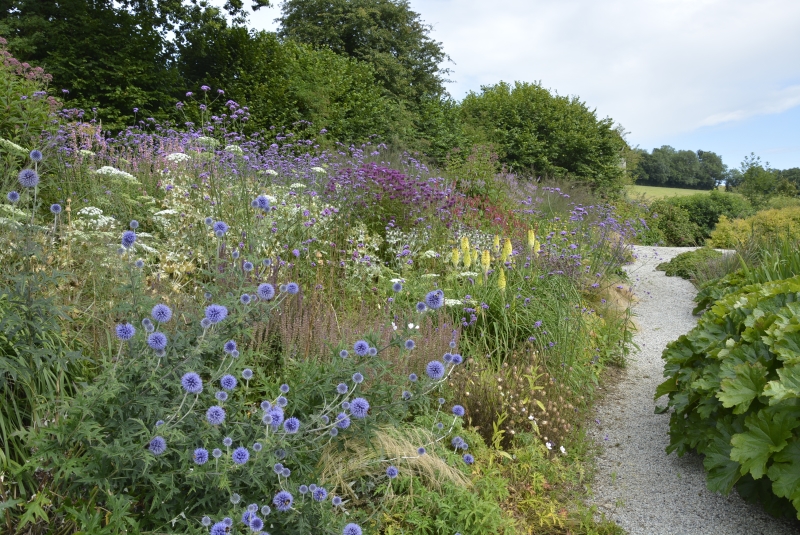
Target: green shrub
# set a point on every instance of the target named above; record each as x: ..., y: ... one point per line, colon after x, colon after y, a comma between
x: 674, y: 224
x: 769, y: 223
x: 685, y: 264
x: 734, y: 386
x: 705, y: 209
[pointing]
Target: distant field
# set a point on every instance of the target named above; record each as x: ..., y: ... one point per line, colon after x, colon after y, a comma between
x: 653, y: 192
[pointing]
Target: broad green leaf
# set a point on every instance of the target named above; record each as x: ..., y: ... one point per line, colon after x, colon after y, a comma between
x: 670, y: 385
x: 787, y: 387
x: 766, y: 433
x: 742, y: 389
x: 785, y: 473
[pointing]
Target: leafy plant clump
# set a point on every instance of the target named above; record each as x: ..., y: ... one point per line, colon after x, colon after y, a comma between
x: 734, y: 386
x: 768, y: 223
x: 685, y: 264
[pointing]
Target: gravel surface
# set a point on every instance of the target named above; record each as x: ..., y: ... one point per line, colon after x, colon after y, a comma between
x: 637, y: 484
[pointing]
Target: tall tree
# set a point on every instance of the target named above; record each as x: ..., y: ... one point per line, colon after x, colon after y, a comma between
x: 713, y: 172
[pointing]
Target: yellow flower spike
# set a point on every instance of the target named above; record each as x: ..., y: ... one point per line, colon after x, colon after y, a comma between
x: 501, y: 280
x: 486, y: 260
x: 496, y: 244
x: 475, y: 256
x: 464, y: 244
x: 531, y: 239
x: 507, y: 250
x: 456, y: 256
x: 467, y: 259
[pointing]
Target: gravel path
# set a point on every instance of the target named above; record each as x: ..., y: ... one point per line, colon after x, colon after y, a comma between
x: 637, y: 485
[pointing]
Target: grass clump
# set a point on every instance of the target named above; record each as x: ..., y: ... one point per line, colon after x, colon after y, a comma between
x: 685, y: 265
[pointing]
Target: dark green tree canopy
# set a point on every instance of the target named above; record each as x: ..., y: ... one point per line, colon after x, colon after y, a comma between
x: 666, y: 166
x: 384, y: 33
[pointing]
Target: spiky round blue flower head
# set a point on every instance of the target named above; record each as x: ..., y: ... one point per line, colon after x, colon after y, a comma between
x: 220, y: 228
x: 262, y: 202
x: 206, y: 521
x: 372, y: 351
x: 434, y: 299
x: 200, y: 456
x: 161, y: 313
x: 359, y: 407
x: 266, y: 291
x: 228, y: 521
x: 235, y: 353
x: 257, y: 446
x: 456, y: 442
x: 247, y: 374
x: 291, y: 425
x: 277, y: 468
x: 275, y: 416
x: 235, y: 498
x: 410, y: 344
x: 342, y: 388
x: 216, y: 313
x: 219, y: 529
x: 209, y: 221
x: 352, y: 529
x: 245, y: 299
x: 205, y: 323
x: 468, y: 459
x: 292, y: 288
x: 333, y: 432
x: 227, y: 441
x: 158, y: 445
x: 286, y: 472
x: 303, y: 489
x: 439, y: 425
x: 253, y: 507
x: 319, y: 494
x: 421, y: 451
x: 312, y: 487
x: 235, y: 254
x: 281, y: 401
x: 215, y: 415
x: 266, y: 405
x: 441, y: 401
x: 452, y: 344
x: 284, y: 388
x: 216, y: 453
x: 55, y: 209
x: 283, y: 501
x: 342, y: 421
x: 36, y: 155
x: 406, y: 395
x: 325, y: 419
x: 228, y: 382
x: 159, y: 423
x: 336, y: 501
x: 265, y: 510
x: 397, y: 287
x: 392, y: 472
x: 421, y: 307
x: 413, y: 377
x: 125, y: 331
x: 267, y: 262
x: 247, y: 266
x: 256, y: 524
x: 157, y: 341
x: 12, y: 196
x: 457, y: 359
x: 241, y: 455
x: 192, y: 383
x: 139, y: 263
x: 435, y: 370
x: 358, y: 378
x: 343, y: 353
x: 361, y: 348
x: 28, y: 178
x: 345, y: 405
x: 128, y: 239
x: 246, y: 516
x: 229, y: 346
x: 447, y: 358
x: 458, y: 410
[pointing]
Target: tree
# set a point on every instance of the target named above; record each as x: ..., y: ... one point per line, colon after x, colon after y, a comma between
x: 712, y: 172
x: 384, y: 33
x: 759, y: 182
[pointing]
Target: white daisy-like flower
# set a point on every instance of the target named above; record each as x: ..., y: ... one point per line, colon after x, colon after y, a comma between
x: 563, y: 450
x: 549, y: 445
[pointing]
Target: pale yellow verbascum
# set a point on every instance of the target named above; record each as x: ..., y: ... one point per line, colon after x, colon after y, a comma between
x: 507, y: 250
x: 465, y: 252
x: 496, y: 244
x: 501, y: 280
x: 475, y: 256
x: 455, y: 257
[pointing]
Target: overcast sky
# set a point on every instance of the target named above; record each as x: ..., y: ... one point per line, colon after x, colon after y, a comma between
x: 719, y: 75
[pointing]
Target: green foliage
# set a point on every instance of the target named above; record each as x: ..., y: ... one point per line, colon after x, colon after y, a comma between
x: 666, y: 166
x: 734, y: 385
x: 766, y: 224
x: 705, y: 209
x: 673, y: 224
x: 759, y: 183
x: 685, y: 264
x: 545, y: 134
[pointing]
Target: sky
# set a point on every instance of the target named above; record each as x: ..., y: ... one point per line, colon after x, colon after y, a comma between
x: 717, y: 75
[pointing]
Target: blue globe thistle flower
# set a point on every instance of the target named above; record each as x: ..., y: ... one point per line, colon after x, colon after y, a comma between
x: 358, y: 378
x: 283, y: 501
x: 247, y: 266
x: 277, y: 468
x: 447, y: 358
x: 457, y: 359
x: 192, y: 383
x: 361, y: 348
x: 359, y: 407
x: 267, y: 262
x: 266, y: 405
x: 247, y: 374
x: 257, y: 447
x: 333, y: 432
x: 121, y: 251
x: 291, y: 425
x: 392, y: 472
x: 456, y: 442
x: 319, y: 494
x: 229, y: 346
x: 281, y: 401
x: 372, y: 351
x: 246, y: 516
x: 262, y: 202
x: 410, y: 344
x: 452, y: 344
x: 421, y: 451
x: 125, y: 331
x: 139, y: 263
x: 206, y: 521
x: 220, y: 228
x: 284, y: 388
x: 312, y: 487
x: 158, y: 445
x: 421, y: 307
x: 336, y: 501
x: 303, y: 489
x: 275, y: 416
x: 219, y: 529
x: 241, y: 455
x: 343, y: 353
x: 28, y: 178
x: 292, y: 288
x: 345, y: 405
x: 468, y: 459
x: 397, y: 287
x: 325, y: 419
x: 245, y: 299
x: 216, y: 313
x: 209, y: 221
x: 235, y: 353
x: 12, y: 196
x: 413, y: 377
x: 159, y: 423
x: 227, y: 441
x: 128, y: 239
x: 228, y: 382
x: 215, y: 415
x: 406, y: 395
x: 342, y: 388
x: 265, y: 510
x: 205, y: 323
x: 253, y: 507
x: 256, y: 524
x: 133, y: 224
x: 439, y: 425
x: 161, y: 313
x: 235, y: 254
x: 342, y: 421
x: 441, y: 401
x: 266, y: 291
x: 200, y: 456
x: 435, y: 370
x: 216, y: 453
x: 434, y: 299
x: 157, y: 341
x: 36, y: 155
x: 352, y: 529
x: 55, y: 209
x: 458, y: 410
x: 286, y: 472
x: 228, y: 521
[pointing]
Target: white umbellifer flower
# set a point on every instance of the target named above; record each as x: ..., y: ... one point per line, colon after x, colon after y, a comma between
x: 549, y: 445
x: 208, y: 142
x: 272, y: 172
x: 318, y: 170
x: 430, y: 254
x: 453, y: 302
x: 234, y: 149
x: 429, y: 275
x: 113, y: 172
x: 86, y: 153
x: 468, y: 274
x: 297, y: 185
x: 397, y: 280
x: 564, y: 451
x: 178, y: 157
x: 12, y: 147
x: 272, y: 200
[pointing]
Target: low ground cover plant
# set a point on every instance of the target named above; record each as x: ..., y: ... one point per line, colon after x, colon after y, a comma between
x: 685, y: 265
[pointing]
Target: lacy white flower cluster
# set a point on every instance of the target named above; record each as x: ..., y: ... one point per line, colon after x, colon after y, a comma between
x: 92, y: 218
x: 117, y: 174
x: 178, y: 157
x: 13, y: 148
x: 207, y: 142
x: 234, y: 149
